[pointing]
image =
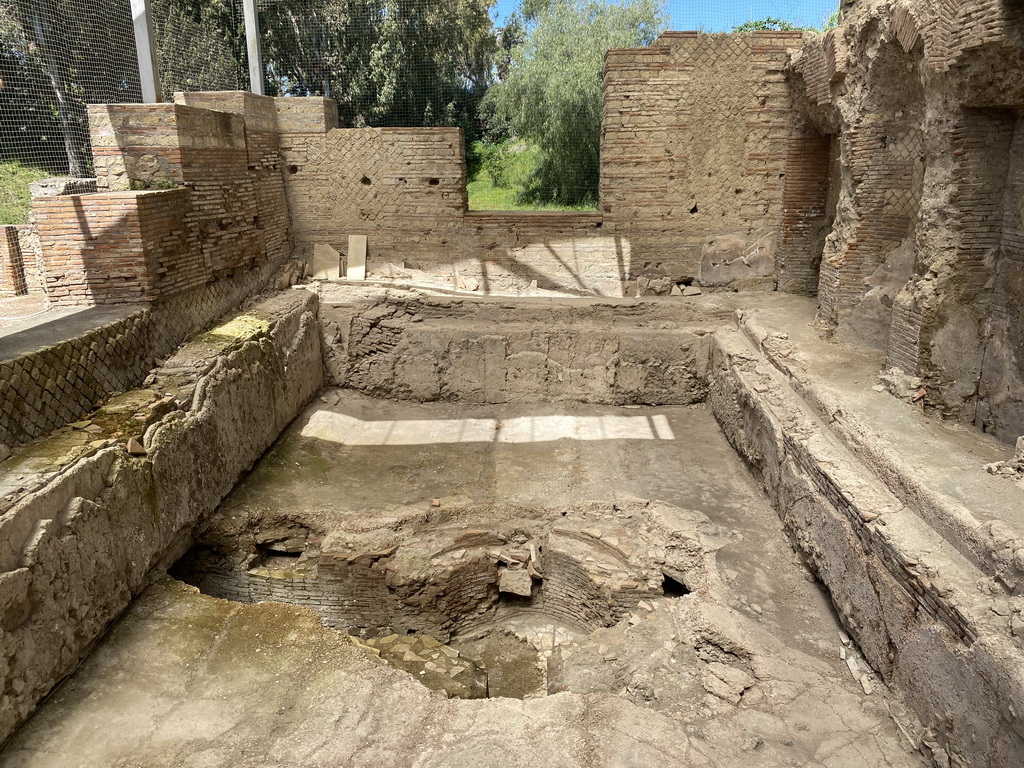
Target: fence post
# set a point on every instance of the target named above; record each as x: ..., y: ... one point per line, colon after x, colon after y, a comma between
x: 254, y: 47
x: 145, y: 49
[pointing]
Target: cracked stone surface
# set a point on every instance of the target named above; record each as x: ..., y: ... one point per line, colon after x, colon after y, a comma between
x: 749, y: 668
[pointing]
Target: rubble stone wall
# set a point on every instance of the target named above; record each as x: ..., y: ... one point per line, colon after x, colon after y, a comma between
x: 76, y: 545
x: 483, y: 352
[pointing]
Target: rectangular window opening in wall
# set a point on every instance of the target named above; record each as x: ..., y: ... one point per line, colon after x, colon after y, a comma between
x: 514, y: 174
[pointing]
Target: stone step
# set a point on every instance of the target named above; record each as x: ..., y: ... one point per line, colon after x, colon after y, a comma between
x: 989, y: 532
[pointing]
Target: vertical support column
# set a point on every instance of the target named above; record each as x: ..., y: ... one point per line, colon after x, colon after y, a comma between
x: 145, y: 49
x: 253, y: 46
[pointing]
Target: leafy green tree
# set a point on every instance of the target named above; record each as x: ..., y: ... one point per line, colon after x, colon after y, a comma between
x: 551, y: 95
x: 200, y: 46
x: 769, y: 24
x: 71, y: 55
x: 432, y: 62
x: 386, y: 62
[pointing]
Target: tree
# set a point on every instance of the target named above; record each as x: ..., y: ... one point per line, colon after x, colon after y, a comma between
x: 85, y: 56
x: 30, y: 131
x: 551, y: 95
x: 386, y: 62
x: 200, y: 46
x: 769, y: 24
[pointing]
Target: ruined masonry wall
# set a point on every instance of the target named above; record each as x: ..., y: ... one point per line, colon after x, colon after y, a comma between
x: 405, y: 188
x: 916, y: 613
x: 53, y: 386
x: 697, y: 149
x: 67, y: 564
x: 696, y: 144
x: 188, y: 195
x: 924, y: 256
x: 485, y: 353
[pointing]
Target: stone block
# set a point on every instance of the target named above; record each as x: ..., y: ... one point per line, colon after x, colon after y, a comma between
x: 356, y: 263
x: 326, y: 262
x: 518, y: 583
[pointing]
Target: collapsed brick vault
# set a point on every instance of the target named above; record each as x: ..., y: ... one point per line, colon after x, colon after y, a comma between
x: 870, y: 173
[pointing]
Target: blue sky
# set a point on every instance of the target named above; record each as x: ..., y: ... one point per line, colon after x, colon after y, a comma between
x: 723, y: 15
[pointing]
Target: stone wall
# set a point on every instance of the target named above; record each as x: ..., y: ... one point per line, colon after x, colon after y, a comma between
x: 78, y: 537
x: 484, y: 352
x: 921, y: 261
x: 61, y: 383
x: 914, y: 605
x: 12, y: 267
x: 696, y: 141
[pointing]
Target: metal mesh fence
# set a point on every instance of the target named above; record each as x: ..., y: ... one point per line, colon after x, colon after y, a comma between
x: 56, y: 56
x: 200, y: 45
x: 521, y: 77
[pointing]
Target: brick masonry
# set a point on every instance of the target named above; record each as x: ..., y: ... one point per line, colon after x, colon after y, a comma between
x: 59, y: 384
x: 405, y: 188
x: 924, y: 257
x: 695, y: 140
x: 189, y: 195
x: 12, y: 268
x: 192, y: 251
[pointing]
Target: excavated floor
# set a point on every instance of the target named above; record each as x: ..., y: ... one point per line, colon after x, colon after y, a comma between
x: 725, y: 652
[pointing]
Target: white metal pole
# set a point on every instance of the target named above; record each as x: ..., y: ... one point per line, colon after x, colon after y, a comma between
x: 254, y: 47
x: 145, y: 48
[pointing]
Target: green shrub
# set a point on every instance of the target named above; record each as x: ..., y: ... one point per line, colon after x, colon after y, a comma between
x: 15, y: 200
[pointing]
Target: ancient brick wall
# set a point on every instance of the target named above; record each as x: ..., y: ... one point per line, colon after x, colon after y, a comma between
x: 12, y: 270
x: 695, y: 134
x: 405, y: 188
x: 189, y: 194
x: 694, y: 154
x: 115, y: 247
x: 923, y: 257
x: 807, y: 216
x: 1001, y: 388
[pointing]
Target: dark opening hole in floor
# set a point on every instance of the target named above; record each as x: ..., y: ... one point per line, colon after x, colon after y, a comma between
x: 673, y: 587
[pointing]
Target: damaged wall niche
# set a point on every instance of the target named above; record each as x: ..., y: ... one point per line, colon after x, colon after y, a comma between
x: 924, y: 258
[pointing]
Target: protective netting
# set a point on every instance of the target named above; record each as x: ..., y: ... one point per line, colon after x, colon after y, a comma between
x: 200, y: 45
x: 56, y: 56
x: 521, y: 77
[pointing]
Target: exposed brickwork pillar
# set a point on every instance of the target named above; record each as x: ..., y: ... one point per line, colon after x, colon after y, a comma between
x: 12, y: 268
